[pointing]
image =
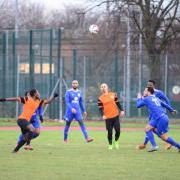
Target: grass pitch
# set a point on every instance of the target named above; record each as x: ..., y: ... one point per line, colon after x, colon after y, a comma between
x: 51, y: 159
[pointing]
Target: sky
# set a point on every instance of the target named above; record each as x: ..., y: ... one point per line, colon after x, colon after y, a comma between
x: 59, y: 4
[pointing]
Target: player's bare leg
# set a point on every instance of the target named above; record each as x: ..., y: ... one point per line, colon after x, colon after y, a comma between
x: 143, y: 146
x: 167, y: 146
x: 170, y: 141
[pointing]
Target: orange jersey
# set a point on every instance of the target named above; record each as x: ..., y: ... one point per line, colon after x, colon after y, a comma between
x: 30, y: 106
x: 108, y: 103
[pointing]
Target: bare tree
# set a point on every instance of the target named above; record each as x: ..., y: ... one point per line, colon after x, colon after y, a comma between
x: 31, y: 15
x: 157, y: 30
x: 6, y: 15
x: 71, y: 19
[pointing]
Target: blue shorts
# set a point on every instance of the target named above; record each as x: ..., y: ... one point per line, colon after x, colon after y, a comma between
x: 162, y: 125
x: 35, y: 122
x: 75, y: 116
x: 153, y: 122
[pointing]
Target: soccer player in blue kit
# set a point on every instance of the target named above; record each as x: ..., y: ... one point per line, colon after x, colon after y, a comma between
x: 159, y: 121
x: 159, y: 94
x: 35, y: 121
x: 74, y: 110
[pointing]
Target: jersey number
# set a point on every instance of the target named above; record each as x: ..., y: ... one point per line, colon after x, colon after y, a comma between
x: 156, y: 102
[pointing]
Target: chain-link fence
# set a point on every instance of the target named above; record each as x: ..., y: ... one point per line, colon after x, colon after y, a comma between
x: 48, y: 60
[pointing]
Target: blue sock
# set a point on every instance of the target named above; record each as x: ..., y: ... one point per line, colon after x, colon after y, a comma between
x: 172, y: 142
x: 66, y: 129
x: 146, y: 140
x: 150, y: 136
x: 83, y: 129
x: 21, y: 138
x: 35, y: 135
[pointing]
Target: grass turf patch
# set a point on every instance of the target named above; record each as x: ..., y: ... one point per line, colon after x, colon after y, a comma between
x: 52, y: 159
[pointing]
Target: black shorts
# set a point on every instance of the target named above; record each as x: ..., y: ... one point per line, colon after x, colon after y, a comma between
x: 22, y: 123
x: 113, y: 123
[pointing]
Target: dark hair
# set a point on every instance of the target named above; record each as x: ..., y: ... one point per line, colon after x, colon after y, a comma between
x: 26, y: 93
x: 152, y: 81
x: 32, y: 92
x: 150, y: 89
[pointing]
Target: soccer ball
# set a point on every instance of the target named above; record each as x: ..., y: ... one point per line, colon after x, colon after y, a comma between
x: 93, y: 28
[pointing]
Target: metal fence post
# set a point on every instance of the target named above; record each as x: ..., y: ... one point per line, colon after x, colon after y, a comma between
x: 84, y: 82
x: 14, y: 62
x: 140, y: 62
x: 59, y: 73
x: 17, y: 86
x: 4, y: 71
x: 116, y: 68
x: 50, y: 67
x: 4, y: 65
x: 31, y: 63
x: 74, y: 63
x: 166, y: 74
x: 128, y: 75
x: 41, y: 62
x: 124, y: 78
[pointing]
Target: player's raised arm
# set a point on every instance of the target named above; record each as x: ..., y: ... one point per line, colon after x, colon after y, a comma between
x: 10, y: 99
x: 140, y: 102
x: 50, y: 99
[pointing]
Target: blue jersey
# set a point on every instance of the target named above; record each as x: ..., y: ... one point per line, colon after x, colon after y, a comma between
x: 38, y: 111
x: 154, y: 105
x: 162, y: 96
x: 159, y: 94
x: 34, y: 119
x: 74, y: 100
